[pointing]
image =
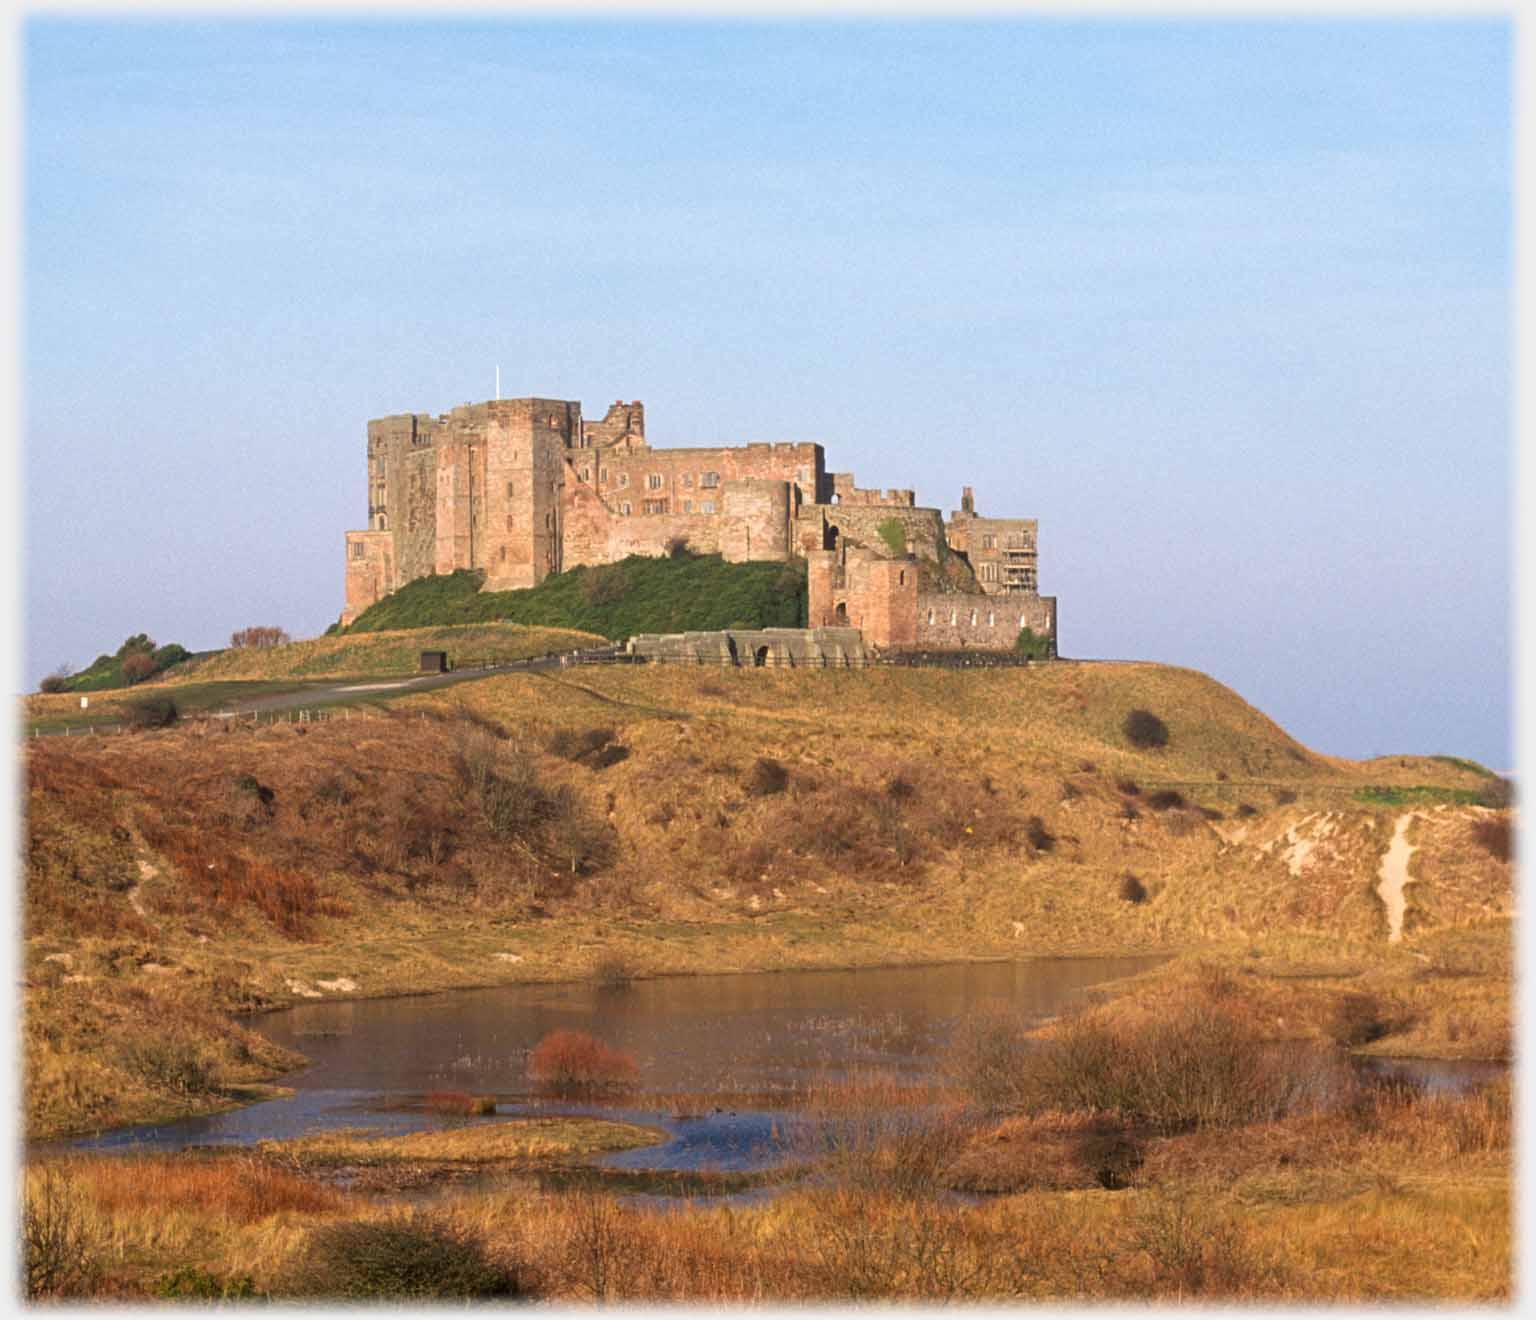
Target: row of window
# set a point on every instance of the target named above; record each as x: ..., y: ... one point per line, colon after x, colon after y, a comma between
x: 1014, y: 541
x: 954, y: 618
x: 660, y: 506
x: 653, y: 480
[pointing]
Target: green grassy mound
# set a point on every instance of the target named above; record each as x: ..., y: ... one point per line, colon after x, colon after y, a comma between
x: 636, y: 595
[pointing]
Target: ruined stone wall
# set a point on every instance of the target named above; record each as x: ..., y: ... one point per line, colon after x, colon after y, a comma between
x: 845, y: 492
x: 860, y: 525
x: 370, y: 571
x: 690, y: 480
x: 955, y: 621
x: 621, y: 419
x: 755, y: 520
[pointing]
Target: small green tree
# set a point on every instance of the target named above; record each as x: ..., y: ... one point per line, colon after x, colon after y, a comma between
x: 1032, y: 644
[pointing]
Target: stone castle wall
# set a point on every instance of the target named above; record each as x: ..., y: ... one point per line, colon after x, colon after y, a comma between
x: 522, y: 488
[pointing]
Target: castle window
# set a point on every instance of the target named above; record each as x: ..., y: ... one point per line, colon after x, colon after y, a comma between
x: 586, y: 474
x: 930, y: 618
x: 989, y: 619
x: 709, y: 480
x: 973, y: 618
x: 655, y: 506
x: 503, y: 554
x: 706, y: 506
x: 602, y: 476
x: 357, y: 549
x: 901, y: 578
x: 954, y: 618
x: 802, y: 474
x: 989, y: 542
x: 653, y: 481
x: 687, y: 506
x: 623, y: 480
x: 625, y: 508
x: 688, y: 479
x: 511, y: 490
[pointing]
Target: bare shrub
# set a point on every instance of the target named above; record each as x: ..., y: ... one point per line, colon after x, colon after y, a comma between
x: 1497, y: 792
x: 1197, y: 1252
x: 1165, y: 799
x: 1195, y: 1065
x: 1356, y: 1019
x: 1040, y: 839
x: 258, y: 637
x: 875, y: 1133
x: 1070, y: 792
x: 576, y: 744
x: 1131, y: 889
x: 59, y: 1250
x: 574, y: 1061
x: 54, y: 683
x: 1129, y: 787
x: 613, y: 971
x: 1495, y: 836
x: 169, y: 1063
x: 767, y: 777
x: 602, y: 1244
x: 987, y: 1060
x: 156, y: 712
x: 1143, y: 729
x: 401, y: 1258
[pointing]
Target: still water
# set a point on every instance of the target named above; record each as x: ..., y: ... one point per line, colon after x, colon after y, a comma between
x: 732, y: 1039
x: 712, y: 1052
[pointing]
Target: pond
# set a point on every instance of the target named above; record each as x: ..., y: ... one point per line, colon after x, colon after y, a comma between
x: 715, y: 1049
x: 717, y: 1055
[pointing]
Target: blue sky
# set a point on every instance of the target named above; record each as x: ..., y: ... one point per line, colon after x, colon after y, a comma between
x: 1225, y: 303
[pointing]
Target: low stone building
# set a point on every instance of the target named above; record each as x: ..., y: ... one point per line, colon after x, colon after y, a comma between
x: 522, y: 488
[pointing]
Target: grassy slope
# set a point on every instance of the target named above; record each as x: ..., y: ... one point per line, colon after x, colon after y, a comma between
x: 161, y: 874
x: 639, y: 594
x: 236, y: 673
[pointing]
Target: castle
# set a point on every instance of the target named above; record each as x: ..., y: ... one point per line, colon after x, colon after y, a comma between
x: 522, y: 488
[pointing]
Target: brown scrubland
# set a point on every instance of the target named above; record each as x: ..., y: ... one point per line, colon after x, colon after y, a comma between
x: 1191, y: 1133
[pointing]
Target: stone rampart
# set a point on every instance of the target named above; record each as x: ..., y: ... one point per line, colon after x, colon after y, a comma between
x: 789, y: 648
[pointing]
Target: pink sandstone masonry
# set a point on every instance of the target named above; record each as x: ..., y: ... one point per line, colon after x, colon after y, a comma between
x: 522, y: 488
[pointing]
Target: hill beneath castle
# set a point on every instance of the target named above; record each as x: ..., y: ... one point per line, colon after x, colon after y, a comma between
x: 545, y: 826
x: 677, y: 593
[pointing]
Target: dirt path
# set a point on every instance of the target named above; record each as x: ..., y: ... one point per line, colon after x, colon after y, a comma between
x: 1394, y: 875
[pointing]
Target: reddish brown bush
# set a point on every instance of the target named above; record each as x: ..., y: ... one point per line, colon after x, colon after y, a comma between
x: 139, y: 666
x: 573, y: 1060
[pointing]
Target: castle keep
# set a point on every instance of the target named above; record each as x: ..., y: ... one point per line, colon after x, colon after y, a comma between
x: 522, y: 488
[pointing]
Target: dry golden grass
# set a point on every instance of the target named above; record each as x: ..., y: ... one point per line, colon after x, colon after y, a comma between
x: 523, y: 1140
x: 255, y: 868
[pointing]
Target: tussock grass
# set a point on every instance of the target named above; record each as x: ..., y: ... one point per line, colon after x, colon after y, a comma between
x: 520, y: 1141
